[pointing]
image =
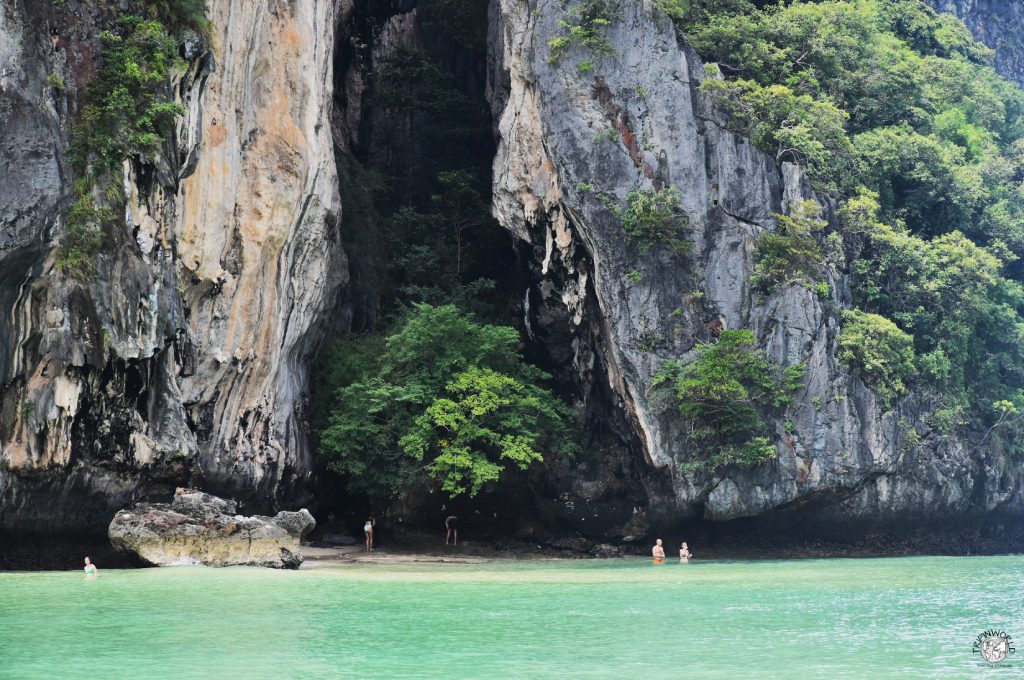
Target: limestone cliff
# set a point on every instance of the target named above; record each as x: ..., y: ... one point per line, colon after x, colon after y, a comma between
x: 639, y: 121
x: 183, y: 359
x: 997, y: 23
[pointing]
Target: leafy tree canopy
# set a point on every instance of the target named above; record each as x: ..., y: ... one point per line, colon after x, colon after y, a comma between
x: 723, y: 392
x: 441, y: 398
x: 894, y: 110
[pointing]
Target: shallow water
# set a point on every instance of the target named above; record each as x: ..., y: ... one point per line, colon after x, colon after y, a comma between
x: 848, y: 618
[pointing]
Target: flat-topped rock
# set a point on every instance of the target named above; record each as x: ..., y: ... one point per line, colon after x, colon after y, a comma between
x: 197, y: 528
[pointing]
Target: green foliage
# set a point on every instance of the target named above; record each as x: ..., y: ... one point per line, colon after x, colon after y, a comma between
x: 792, y: 127
x: 911, y: 437
x: 127, y: 111
x: 751, y: 453
x: 675, y: 9
x: 27, y: 407
x: 946, y: 420
x: 635, y: 276
x: 441, y: 395
x: 56, y: 81
x: 584, y: 28
x: 127, y: 114
x: 653, y: 216
x: 83, y: 236
x: 485, y: 421
x: 891, y: 95
x: 879, y: 352
x: 429, y: 185
x: 791, y: 252
x: 722, y: 394
x: 946, y: 292
x: 179, y: 14
x: 896, y: 111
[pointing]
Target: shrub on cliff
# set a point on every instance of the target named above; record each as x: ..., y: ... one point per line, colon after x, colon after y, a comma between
x: 127, y: 108
x: 445, y: 398
x: 790, y: 253
x: 879, y: 352
x: 128, y: 113
x: 650, y: 217
x: 722, y: 394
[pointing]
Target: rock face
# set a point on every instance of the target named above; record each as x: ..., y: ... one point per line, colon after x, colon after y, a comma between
x: 997, y: 23
x: 183, y: 360
x: 197, y: 528
x: 639, y: 121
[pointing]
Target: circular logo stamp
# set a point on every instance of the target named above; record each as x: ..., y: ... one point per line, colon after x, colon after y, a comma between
x: 994, y: 645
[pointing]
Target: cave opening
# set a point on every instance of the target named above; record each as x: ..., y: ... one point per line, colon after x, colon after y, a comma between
x: 414, y: 143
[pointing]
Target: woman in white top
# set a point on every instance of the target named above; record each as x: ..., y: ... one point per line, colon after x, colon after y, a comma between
x: 684, y: 553
x: 368, y: 530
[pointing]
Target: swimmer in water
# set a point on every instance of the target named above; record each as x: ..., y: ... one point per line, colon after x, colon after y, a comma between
x: 90, y: 568
x: 684, y: 553
x: 658, y: 552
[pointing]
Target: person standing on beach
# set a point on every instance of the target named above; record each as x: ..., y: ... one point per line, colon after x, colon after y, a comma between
x: 658, y: 552
x: 684, y: 553
x: 451, y: 523
x: 90, y: 568
x: 371, y: 522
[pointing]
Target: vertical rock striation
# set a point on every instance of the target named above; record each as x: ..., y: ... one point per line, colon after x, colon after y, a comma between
x: 256, y: 233
x: 183, y: 359
x: 570, y: 140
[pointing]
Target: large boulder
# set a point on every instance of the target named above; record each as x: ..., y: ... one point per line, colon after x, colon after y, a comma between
x: 197, y: 528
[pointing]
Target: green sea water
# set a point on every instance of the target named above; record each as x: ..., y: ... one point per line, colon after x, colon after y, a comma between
x: 843, y: 618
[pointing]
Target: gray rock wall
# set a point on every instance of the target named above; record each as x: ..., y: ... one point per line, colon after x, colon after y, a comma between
x: 837, y: 447
x: 183, y: 359
x: 998, y: 24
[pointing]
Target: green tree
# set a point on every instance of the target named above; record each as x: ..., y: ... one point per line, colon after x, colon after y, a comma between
x: 722, y: 394
x: 879, y: 352
x: 448, y: 398
x: 653, y: 216
x: 894, y: 110
x: 128, y: 113
x: 792, y: 127
x: 791, y: 253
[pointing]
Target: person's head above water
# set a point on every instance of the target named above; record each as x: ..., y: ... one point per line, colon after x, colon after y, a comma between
x: 658, y: 542
x: 87, y: 562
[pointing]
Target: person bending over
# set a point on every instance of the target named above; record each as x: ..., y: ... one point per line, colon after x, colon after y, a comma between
x: 451, y: 523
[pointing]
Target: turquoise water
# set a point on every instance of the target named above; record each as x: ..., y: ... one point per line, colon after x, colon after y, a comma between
x: 905, y: 617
